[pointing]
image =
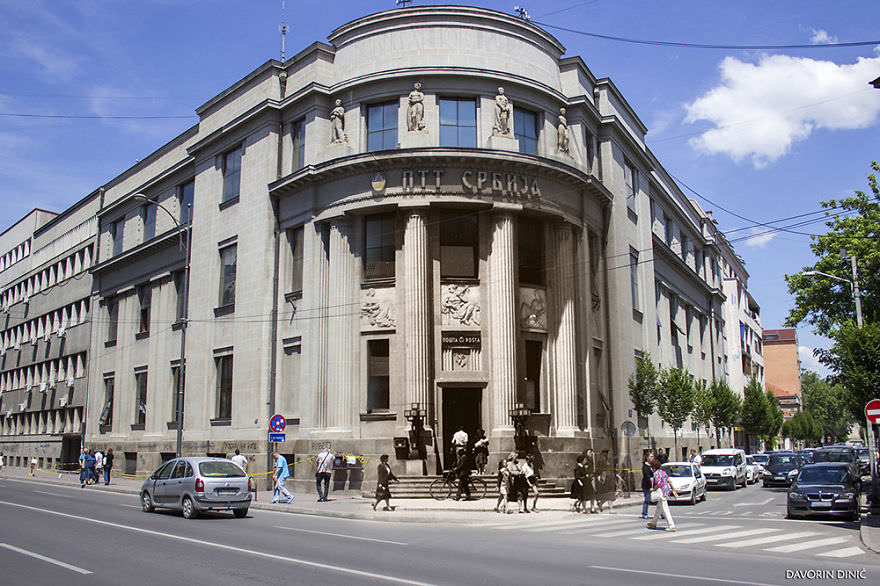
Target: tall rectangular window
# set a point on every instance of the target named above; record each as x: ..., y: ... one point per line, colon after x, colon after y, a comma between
x: 296, y: 249
x: 459, y: 239
x: 298, y: 132
x: 140, y: 416
x: 379, y: 380
x: 180, y: 295
x: 634, y: 277
x: 525, y: 129
x: 112, y: 305
x: 148, y: 217
x: 684, y: 247
x: 631, y: 178
x: 228, y: 261
x: 232, y: 174
x: 118, y: 231
x: 531, y: 390
x: 106, y: 418
x: 379, y: 246
x: 224, y: 386
x: 382, y: 126
x: 458, y: 123
x: 590, y: 142
x: 531, y: 251
x: 185, y: 198
x: 145, y: 300
x: 175, y: 389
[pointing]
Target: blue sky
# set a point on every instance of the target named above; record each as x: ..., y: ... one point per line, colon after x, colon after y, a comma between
x: 766, y: 134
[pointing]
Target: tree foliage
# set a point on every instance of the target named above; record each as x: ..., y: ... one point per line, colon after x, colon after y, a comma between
x: 755, y: 409
x: 643, y: 385
x: 726, y: 407
x: 803, y: 427
x: 774, y: 422
x: 828, y: 405
x: 855, y: 360
x: 703, y: 406
x: 675, y: 398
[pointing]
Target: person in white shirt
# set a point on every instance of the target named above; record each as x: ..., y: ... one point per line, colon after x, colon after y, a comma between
x: 695, y: 458
x: 323, y: 470
x: 459, y: 439
x: 240, y: 461
x: 99, y: 463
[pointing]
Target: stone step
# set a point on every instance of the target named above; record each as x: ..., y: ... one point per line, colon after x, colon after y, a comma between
x: 419, y: 487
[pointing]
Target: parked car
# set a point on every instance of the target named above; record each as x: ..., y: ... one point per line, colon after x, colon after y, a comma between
x: 724, y: 467
x: 864, y: 460
x: 843, y: 454
x: 781, y: 469
x: 193, y: 485
x: 761, y: 460
x: 688, y: 481
x: 806, y: 456
x: 755, y: 471
x: 827, y: 488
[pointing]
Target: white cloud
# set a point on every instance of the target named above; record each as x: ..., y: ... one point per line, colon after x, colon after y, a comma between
x: 760, y: 109
x: 810, y: 362
x: 821, y: 37
x: 760, y: 237
x: 55, y: 65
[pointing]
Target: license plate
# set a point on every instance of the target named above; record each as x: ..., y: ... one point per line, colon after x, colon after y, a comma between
x: 779, y: 478
x: 821, y: 505
x: 227, y: 490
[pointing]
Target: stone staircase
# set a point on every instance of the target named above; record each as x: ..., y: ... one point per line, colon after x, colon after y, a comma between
x: 418, y: 487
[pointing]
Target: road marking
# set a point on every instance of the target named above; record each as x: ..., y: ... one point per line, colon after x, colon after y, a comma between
x: 770, y: 539
x: 44, y: 558
x: 734, y: 535
x: 132, y: 506
x: 685, y: 576
x: 640, y: 530
x: 578, y: 524
x: 66, y: 496
x: 236, y: 549
x: 807, y: 545
x: 686, y: 532
x: 846, y: 552
x: 765, y: 502
x: 341, y: 535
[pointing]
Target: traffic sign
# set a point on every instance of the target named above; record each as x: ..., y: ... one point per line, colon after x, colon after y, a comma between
x: 872, y: 410
x: 277, y: 437
x: 277, y: 423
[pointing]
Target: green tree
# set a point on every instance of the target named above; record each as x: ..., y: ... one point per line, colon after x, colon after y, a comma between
x: 802, y: 427
x: 755, y: 410
x: 775, y: 419
x: 643, y: 386
x: 855, y: 360
x: 828, y: 405
x: 703, y: 406
x: 726, y: 407
x: 675, y: 398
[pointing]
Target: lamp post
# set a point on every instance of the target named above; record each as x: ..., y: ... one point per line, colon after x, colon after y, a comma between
x: 518, y: 414
x: 183, y: 230
x: 416, y: 416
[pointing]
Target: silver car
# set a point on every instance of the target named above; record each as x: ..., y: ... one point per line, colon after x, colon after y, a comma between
x: 193, y: 485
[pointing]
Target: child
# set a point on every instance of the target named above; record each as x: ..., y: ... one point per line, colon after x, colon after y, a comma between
x: 503, y: 482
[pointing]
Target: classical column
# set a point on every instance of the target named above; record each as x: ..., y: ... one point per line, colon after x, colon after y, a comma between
x: 417, y: 325
x: 503, y: 323
x: 343, y: 314
x: 317, y: 302
x: 564, y: 343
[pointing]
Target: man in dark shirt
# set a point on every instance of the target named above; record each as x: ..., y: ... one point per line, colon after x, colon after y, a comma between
x: 661, y: 456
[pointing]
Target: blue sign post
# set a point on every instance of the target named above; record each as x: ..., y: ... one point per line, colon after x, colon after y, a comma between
x: 277, y: 437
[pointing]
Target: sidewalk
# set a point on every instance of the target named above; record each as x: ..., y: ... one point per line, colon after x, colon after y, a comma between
x: 355, y: 507
x: 869, y: 531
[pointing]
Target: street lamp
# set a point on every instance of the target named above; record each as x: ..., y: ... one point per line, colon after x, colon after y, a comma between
x: 854, y: 287
x: 183, y: 230
x: 518, y: 414
x: 416, y: 416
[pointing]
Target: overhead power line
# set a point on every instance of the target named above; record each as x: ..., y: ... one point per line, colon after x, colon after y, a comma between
x: 90, y: 117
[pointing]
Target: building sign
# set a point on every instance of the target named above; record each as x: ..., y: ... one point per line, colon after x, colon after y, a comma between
x: 475, y: 181
x: 462, y: 340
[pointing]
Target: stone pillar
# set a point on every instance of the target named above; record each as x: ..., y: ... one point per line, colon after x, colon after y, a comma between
x: 317, y: 304
x: 503, y: 322
x: 417, y: 307
x: 344, y: 310
x: 564, y: 343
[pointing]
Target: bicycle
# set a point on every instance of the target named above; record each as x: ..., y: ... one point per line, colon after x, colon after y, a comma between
x: 447, y: 485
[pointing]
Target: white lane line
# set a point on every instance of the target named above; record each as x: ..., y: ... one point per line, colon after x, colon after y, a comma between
x: 44, y: 558
x: 66, y: 496
x: 770, y: 539
x: 639, y: 531
x: 765, y: 502
x: 685, y: 576
x: 281, y: 558
x: 793, y: 547
x: 686, y: 533
x: 704, y: 538
x: 132, y: 506
x: 578, y: 524
x: 846, y: 552
x: 341, y: 535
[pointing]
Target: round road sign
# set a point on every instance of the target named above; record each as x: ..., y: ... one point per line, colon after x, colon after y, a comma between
x: 872, y: 410
x: 277, y: 423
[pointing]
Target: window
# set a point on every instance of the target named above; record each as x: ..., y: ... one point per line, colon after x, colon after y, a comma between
x: 148, y: 217
x: 531, y: 390
x: 591, y: 150
x: 107, y: 410
x: 224, y: 386
x: 175, y: 389
x: 684, y: 247
x: 112, y: 305
x: 458, y: 123
x: 185, y: 195
x: 298, y: 131
x: 379, y: 247
x: 228, y: 262
x: 631, y: 178
x: 145, y: 297
x: 525, y: 129
x: 232, y: 174
x: 295, y: 237
x: 634, y: 277
x: 382, y: 126
x: 459, y: 237
x: 140, y: 379
x: 180, y: 292
x: 378, y: 385
x: 531, y: 251
x: 118, y: 231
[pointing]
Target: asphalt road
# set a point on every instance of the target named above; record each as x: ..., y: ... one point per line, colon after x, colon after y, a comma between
x: 52, y: 534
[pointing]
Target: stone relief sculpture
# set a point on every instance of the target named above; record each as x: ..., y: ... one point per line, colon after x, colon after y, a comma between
x: 503, y: 113
x: 459, y: 306
x: 337, y: 124
x: 562, y: 133
x: 533, y: 310
x: 415, y: 113
x: 377, y: 312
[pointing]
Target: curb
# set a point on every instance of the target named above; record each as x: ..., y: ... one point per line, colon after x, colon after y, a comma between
x: 869, y: 532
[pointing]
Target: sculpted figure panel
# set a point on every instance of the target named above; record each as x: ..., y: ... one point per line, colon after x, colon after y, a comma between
x: 503, y: 114
x: 337, y: 124
x: 562, y: 138
x: 377, y: 309
x: 460, y: 305
x: 415, y: 114
x: 533, y: 309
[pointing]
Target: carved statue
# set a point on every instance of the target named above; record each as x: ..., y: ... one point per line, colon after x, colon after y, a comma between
x: 415, y: 114
x: 377, y: 312
x: 459, y: 308
x: 562, y: 133
x: 503, y: 111
x: 337, y: 124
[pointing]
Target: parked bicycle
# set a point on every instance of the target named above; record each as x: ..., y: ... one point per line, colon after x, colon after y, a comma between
x: 447, y: 486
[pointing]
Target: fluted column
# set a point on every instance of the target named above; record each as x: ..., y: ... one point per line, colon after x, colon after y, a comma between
x: 564, y: 342
x: 317, y: 310
x: 343, y: 312
x: 502, y: 311
x: 417, y: 327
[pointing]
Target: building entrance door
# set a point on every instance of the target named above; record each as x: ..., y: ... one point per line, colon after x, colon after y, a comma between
x: 461, y: 407
x: 71, y: 446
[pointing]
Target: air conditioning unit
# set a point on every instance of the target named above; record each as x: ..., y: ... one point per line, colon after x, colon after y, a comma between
x: 16, y: 346
x: 43, y: 387
x: 21, y: 406
x: 33, y: 340
x: 61, y: 331
x: 2, y: 351
x: 27, y: 388
x: 70, y: 382
x: 46, y: 336
x: 26, y: 298
x: 8, y: 414
x: 62, y: 402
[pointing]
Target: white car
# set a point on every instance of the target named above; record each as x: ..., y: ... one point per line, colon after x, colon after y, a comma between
x: 688, y: 481
x: 754, y: 470
x: 724, y: 468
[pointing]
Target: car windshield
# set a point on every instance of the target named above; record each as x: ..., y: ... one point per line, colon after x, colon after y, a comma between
x: 783, y: 460
x: 750, y: 460
x: 761, y: 458
x: 822, y: 476
x: 679, y: 470
x: 717, y: 460
x: 832, y: 456
x: 219, y: 469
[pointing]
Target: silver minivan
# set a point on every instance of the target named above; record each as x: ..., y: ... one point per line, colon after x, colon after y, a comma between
x: 193, y: 485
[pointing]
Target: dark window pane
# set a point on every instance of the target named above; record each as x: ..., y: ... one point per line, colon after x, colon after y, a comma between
x: 458, y: 246
x: 185, y: 196
x: 382, y: 126
x: 531, y: 251
x: 296, y: 248
x: 231, y: 174
x: 224, y: 387
x: 227, y: 275
x: 458, y: 123
x: 379, y: 245
x: 299, y: 142
x: 378, y: 368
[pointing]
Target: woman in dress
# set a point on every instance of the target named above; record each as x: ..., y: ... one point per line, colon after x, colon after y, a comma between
x: 385, y: 475
x: 531, y: 482
x: 661, y: 489
x: 481, y: 451
x: 577, y: 486
x: 503, y: 485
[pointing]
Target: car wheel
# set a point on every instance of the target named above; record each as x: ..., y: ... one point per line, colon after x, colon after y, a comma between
x: 694, y: 497
x: 703, y: 496
x: 240, y: 513
x: 788, y: 514
x: 854, y: 516
x: 765, y: 484
x: 189, y: 509
x: 147, y: 503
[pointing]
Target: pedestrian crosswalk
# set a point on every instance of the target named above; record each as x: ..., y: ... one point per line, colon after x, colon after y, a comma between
x: 734, y: 536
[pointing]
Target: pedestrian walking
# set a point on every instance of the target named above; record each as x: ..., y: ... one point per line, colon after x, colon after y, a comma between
x: 462, y: 471
x: 282, y: 473
x: 99, y: 465
x: 589, y: 489
x: 459, y: 440
x: 33, y: 466
x: 661, y: 488
x: 577, y: 486
x: 481, y: 451
x: 108, y: 465
x: 517, y: 489
x: 384, y: 477
x: 695, y: 458
x: 503, y: 487
x: 2, y: 461
x: 87, y: 476
x: 605, y: 481
x: 240, y: 461
x: 647, y: 474
x: 323, y: 471
x: 531, y: 477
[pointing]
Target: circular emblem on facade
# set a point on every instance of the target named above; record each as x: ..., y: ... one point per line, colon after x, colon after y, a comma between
x: 378, y: 183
